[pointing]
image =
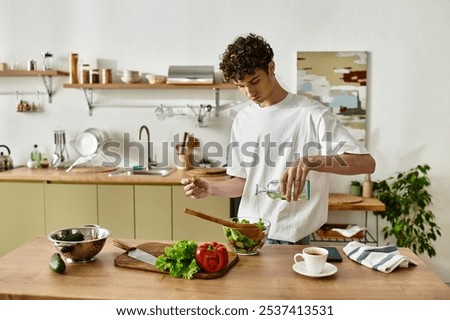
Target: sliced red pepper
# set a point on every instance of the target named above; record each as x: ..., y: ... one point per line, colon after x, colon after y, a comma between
x: 212, y: 257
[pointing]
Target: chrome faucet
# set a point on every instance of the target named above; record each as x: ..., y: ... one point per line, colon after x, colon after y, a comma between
x: 150, y: 163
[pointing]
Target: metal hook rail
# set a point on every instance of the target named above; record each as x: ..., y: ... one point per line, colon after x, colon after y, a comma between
x: 88, y: 93
x: 45, y: 75
x: 22, y: 93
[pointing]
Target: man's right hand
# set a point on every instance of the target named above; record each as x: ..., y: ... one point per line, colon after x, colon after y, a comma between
x: 196, y: 188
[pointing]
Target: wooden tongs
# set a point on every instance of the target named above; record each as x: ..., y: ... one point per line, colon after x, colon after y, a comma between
x: 250, y: 230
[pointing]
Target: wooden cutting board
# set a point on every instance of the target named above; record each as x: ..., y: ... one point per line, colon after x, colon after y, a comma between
x: 156, y: 249
x: 208, y: 172
x: 340, y: 198
x: 93, y: 169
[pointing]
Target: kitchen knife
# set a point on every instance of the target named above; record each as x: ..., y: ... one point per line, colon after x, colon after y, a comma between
x: 135, y: 253
x: 143, y: 256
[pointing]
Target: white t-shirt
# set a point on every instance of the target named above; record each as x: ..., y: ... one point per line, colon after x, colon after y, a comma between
x: 265, y: 140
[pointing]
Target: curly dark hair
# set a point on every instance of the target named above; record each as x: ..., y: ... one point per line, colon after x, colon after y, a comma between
x: 245, y: 56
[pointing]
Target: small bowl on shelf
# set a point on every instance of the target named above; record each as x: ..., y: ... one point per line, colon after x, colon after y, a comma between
x: 241, y: 244
x: 130, y: 73
x: 131, y: 80
x: 156, y: 78
x: 131, y: 76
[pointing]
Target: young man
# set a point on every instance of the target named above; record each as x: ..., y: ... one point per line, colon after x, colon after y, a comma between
x: 283, y: 136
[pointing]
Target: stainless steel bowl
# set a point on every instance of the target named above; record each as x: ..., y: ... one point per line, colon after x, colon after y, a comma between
x: 80, y: 251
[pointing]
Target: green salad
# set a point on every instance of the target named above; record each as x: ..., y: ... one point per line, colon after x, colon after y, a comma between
x: 241, y: 243
x: 179, y: 259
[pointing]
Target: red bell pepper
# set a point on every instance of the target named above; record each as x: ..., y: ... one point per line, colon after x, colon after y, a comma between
x: 212, y: 257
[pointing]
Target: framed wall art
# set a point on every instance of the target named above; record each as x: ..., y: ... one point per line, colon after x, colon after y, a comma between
x: 339, y: 81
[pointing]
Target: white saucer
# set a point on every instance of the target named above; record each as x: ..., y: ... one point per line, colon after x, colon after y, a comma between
x: 328, y: 270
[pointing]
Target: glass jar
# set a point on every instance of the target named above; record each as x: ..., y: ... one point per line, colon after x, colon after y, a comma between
x: 95, y: 76
x: 85, y: 73
x: 106, y: 76
x: 273, y: 191
x: 31, y: 65
x: 47, y: 63
x: 73, y: 68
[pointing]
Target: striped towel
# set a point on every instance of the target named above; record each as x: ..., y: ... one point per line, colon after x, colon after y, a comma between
x: 384, y: 259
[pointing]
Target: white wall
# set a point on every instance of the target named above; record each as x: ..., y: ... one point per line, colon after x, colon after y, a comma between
x: 408, y: 81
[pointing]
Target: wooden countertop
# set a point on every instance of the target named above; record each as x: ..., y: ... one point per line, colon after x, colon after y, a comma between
x: 24, y: 274
x: 337, y: 201
x: 61, y: 176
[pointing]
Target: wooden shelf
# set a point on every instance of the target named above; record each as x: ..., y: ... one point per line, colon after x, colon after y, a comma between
x: 34, y: 73
x: 98, y: 86
x: 337, y: 203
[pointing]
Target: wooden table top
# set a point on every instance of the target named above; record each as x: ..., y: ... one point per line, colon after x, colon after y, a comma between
x: 24, y: 274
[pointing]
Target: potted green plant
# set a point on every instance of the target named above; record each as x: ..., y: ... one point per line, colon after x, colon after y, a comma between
x: 406, y: 199
x: 355, y: 188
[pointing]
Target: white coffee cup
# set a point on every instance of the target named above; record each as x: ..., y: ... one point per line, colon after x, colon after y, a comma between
x: 314, y: 258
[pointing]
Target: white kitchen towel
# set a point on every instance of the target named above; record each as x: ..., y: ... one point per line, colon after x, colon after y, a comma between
x: 350, y: 231
x: 384, y: 259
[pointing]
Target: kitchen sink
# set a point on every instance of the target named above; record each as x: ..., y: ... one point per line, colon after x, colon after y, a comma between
x: 159, y: 172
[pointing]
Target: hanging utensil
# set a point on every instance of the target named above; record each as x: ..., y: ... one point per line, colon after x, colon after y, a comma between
x: 60, y: 155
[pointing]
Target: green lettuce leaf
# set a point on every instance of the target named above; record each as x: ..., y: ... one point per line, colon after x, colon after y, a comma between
x: 179, y: 259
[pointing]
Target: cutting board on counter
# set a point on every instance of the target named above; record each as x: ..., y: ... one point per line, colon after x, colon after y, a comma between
x: 208, y: 172
x: 341, y: 198
x: 93, y: 169
x: 156, y: 249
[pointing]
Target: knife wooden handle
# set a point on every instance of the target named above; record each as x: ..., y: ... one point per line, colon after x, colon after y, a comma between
x: 122, y: 245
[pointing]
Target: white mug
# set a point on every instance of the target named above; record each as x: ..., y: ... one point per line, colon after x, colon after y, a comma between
x: 314, y: 258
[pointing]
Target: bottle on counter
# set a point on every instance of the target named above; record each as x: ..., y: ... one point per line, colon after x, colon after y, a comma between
x: 36, y: 156
x: 273, y: 191
x: 367, y: 187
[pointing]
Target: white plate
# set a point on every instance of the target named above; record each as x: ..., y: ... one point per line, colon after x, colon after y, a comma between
x: 328, y: 270
x: 86, y: 144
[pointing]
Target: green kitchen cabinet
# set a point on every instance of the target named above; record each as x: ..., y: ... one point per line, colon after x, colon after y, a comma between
x: 193, y: 228
x: 153, y: 212
x: 21, y: 213
x: 147, y: 212
x: 116, y: 209
x: 70, y: 205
